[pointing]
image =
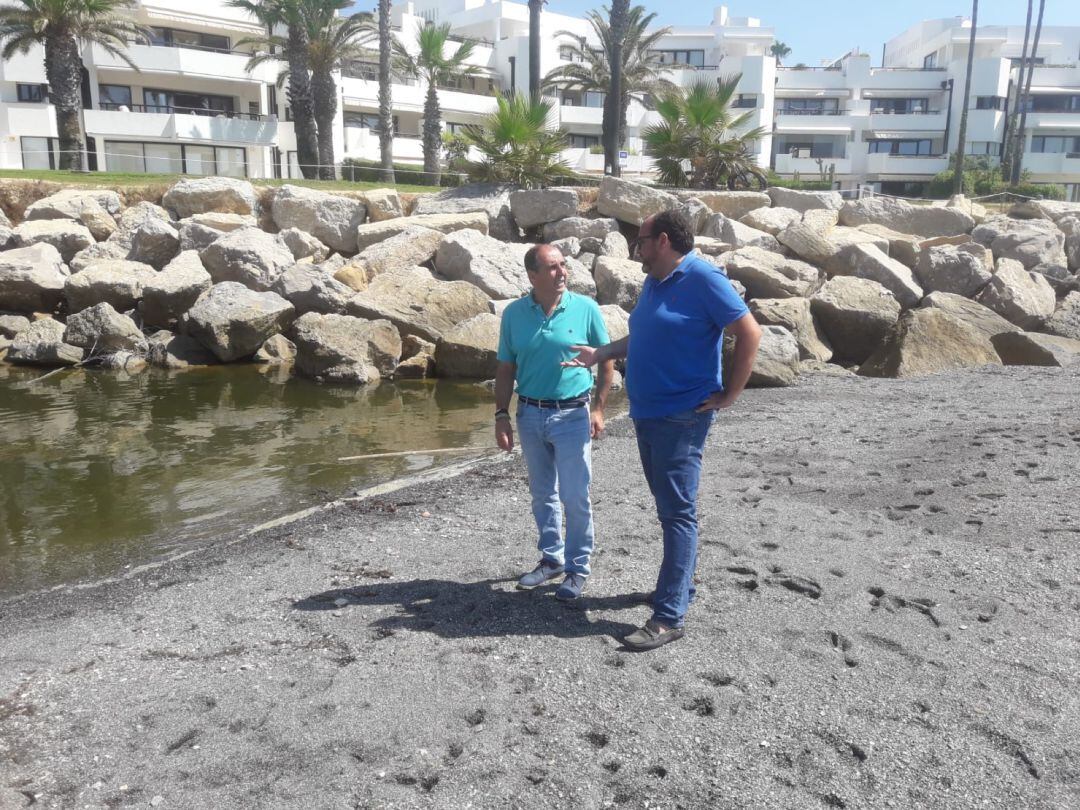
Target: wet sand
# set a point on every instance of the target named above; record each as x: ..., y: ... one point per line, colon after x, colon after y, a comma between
x: 888, y: 615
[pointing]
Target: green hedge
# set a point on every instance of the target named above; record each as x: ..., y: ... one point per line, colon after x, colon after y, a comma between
x: 800, y: 184
x: 369, y: 171
x: 983, y: 184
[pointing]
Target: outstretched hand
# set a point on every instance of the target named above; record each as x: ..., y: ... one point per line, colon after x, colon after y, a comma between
x: 586, y: 358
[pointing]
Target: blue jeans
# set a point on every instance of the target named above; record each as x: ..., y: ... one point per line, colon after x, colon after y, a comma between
x: 670, y: 449
x: 558, y: 452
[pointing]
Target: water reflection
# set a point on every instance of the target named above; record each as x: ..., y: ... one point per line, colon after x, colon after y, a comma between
x: 99, y: 470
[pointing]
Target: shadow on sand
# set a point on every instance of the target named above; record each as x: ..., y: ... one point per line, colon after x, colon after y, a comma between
x: 490, y: 607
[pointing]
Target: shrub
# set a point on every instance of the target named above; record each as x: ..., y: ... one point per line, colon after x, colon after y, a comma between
x: 368, y: 171
x: 800, y: 184
x: 1042, y: 191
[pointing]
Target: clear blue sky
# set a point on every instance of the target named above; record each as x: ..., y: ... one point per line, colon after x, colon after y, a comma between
x: 825, y: 29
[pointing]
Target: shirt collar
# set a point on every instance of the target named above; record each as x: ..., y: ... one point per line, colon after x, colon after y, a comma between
x: 680, y: 268
x: 559, y: 307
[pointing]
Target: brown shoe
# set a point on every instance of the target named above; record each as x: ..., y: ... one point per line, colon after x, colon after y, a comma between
x: 652, y: 636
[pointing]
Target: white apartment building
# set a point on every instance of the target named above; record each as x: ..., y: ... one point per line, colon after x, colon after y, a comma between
x: 192, y: 107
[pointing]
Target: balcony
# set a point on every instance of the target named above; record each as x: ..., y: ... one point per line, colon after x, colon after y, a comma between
x: 928, y: 121
x: 808, y: 167
x: 175, y: 123
x: 191, y: 62
x: 819, y: 121
x: 580, y: 116
x: 1053, y: 163
x: 363, y: 143
x: 900, y: 166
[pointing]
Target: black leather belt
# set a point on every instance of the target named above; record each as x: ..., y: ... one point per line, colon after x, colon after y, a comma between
x: 562, y: 404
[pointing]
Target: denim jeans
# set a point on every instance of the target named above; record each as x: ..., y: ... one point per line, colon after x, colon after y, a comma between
x: 558, y: 453
x: 670, y: 449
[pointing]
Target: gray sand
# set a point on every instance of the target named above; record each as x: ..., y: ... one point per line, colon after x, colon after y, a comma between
x: 887, y: 617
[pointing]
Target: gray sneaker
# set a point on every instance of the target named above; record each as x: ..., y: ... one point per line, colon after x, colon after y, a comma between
x: 571, y: 588
x: 543, y: 572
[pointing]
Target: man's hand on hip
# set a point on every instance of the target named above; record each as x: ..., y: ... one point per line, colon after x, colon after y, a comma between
x: 717, y: 401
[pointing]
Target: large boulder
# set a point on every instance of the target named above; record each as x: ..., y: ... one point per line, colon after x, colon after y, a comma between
x: 469, y: 349
x: 733, y: 204
x: 579, y: 278
x: 490, y: 201
x: 42, y: 344
x: 765, y: 274
x: 383, y: 204
x: 771, y: 220
x: 374, y: 232
x: 615, y: 246
x: 1023, y: 298
x: 1033, y: 349
x: 303, y: 246
x: 809, y: 240
x: 32, y: 278
x: 276, y: 350
x: 803, y: 201
x: 777, y: 360
x: 249, y: 256
x: 579, y: 227
x: 200, y: 195
x: 413, y: 246
x: 618, y: 281
x: 970, y: 312
x: 1070, y: 228
x: 928, y: 341
x: 97, y: 253
x: 532, y: 207
x: 905, y: 217
x: 233, y: 321
x: 11, y: 324
x: 6, y: 230
x: 94, y: 208
x: 495, y: 267
x: 904, y: 247
x: 100, y: 329
x: 309, y: 289
x: 202, y: 230
x: 173, y: 291
x: 1065, y: 322
x: 631, y: 202
x: 869, y: 261
x: 1030, y: 242
x: 66, y: 236
x: 175, y: 352
x: 344, y: 349
x: 695, y: 212
x: 132, y: 218
x: 959, y: 269
x: 417, y: 303
x: 856, y: 315
x: 794, y: 315
x: 616, y: 321
x: 330, y: 218
x: 155, y: 243
x: 741, y: 236
x: 119, y: 282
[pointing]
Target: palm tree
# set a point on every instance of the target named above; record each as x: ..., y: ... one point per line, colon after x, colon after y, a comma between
x: 516, y: 145
x: 386, y: 117
x: 435, y: 68
x: 272, y: 13
x: 534, y: 47
x: 1018, y: 156
x: 590, y: 71
x: 63, y: 28
x: 333, y: 41
x: 958, y: 172
x: 780, y: 50
x: 1011, y: 126
x: 696, y: 145
x: 614, y: 117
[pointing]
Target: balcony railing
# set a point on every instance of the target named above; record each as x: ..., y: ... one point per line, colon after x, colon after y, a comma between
x: 370, y: 73
x: 886, y: 111
x: 199, y: 48
x: 787, y: 111
x: 167, y: 110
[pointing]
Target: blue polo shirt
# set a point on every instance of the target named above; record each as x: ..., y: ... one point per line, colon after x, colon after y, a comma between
x: 537, y: 344
x: 676, y: 338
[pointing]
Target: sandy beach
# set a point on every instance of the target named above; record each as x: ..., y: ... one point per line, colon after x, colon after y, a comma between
x: 888, y: 615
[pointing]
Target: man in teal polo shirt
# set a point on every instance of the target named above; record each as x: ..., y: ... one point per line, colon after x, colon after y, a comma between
x: 554, y: 418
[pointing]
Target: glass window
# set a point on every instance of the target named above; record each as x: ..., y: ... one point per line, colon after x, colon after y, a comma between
x: 215, y: 42
x: 157, y: 101
x: 159, y: 36
x: 124, y: 157
x: 989, y: 103
x: 930, y: 60
x: 231, y: 161
x: 582, y: 141
x: 199, y: 159
x: 38, y: 153
x: 33, y: 92
x: 594, y: 99
x: 113, y: 96
x: 163, y: 158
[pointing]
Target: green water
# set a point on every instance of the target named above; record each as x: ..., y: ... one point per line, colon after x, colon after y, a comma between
x: 100, y: 470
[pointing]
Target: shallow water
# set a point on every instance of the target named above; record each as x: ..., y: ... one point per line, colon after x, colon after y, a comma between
x: 100, y: 470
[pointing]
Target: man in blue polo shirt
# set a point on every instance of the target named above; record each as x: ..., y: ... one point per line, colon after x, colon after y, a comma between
x: 673, y: 380
x: 554, y: 419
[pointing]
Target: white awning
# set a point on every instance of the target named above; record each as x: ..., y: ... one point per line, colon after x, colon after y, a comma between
x: 785, y: 92
x: 890, y: 135
x: 1047, y: 128
x: 158, y: 14
x: 821, y: 129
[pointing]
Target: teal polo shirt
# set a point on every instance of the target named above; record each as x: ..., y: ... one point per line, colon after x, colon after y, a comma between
x: 537, y: 344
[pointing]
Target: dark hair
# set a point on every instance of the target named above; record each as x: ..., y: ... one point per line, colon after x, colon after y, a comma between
x: 532, y: 256
x: 678, y: 230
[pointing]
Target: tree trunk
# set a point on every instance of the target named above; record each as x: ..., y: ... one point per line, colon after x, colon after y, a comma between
x: 63, y: 69
x: 1018, y: 162
x: 301, y: 102
x: 325, y: 95
x: 386, y: 117
x: 534, y: 48
x: 620, y: 10
x: 1011, y: 125
x: 958, y: 172
x: 432, y: 136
